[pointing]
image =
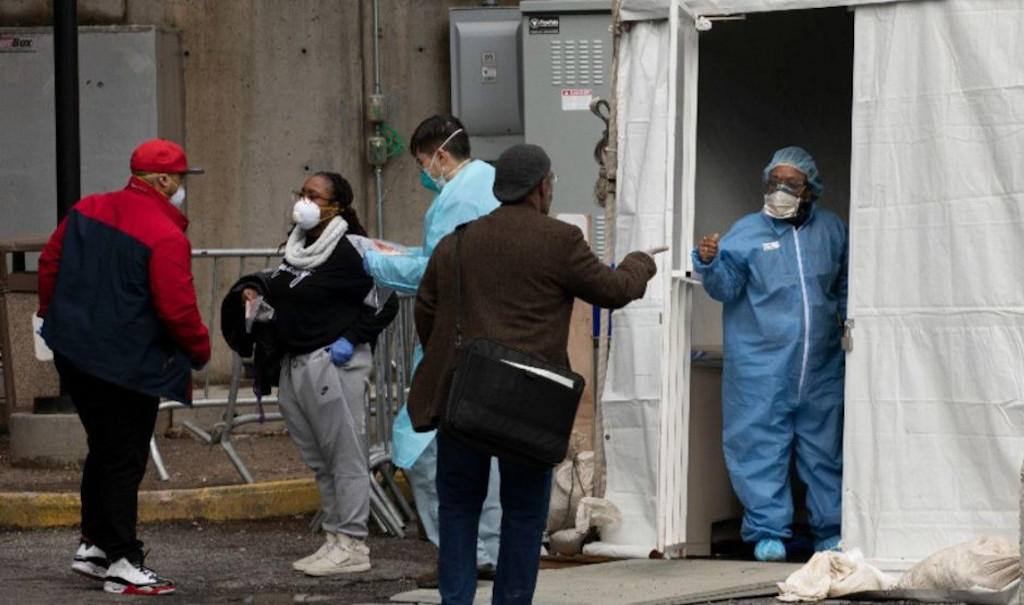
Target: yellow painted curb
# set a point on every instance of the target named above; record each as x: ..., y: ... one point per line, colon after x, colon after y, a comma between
x: 29, y: 510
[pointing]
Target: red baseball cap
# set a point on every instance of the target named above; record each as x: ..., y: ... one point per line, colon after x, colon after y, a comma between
x: 158, y: 155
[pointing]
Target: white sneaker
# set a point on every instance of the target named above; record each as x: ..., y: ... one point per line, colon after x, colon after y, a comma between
x: 90, y: 561
x: 346, y: 555
x: 125, y: 577
x: 305, y: 562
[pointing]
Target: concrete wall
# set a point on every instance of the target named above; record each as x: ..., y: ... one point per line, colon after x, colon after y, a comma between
x: 275, y: 90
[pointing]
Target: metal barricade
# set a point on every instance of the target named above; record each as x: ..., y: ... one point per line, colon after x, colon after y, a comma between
x: 392, y: 367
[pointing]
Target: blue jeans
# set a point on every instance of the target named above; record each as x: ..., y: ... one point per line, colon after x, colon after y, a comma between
x: 462, y: 475
x: 422, y: 476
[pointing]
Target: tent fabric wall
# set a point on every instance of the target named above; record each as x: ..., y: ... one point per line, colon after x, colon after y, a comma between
x: 935, y: 395
x: 631, y: 401
x: 934, y: 392
x: 640, y: 10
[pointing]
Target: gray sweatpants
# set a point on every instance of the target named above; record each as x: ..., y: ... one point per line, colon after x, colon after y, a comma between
x: 323, y: 408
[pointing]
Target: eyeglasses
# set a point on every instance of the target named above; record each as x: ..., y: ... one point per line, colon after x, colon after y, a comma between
x: 553, y: 177
x: 793, y: 185
x: 307, y: 194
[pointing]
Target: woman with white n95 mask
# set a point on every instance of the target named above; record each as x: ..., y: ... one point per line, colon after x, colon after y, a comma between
x: 318, y: 343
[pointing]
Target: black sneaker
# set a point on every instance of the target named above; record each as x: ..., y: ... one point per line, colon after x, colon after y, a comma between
x: 485, y: 572
x: 90, y: 561
x: 125, y: 577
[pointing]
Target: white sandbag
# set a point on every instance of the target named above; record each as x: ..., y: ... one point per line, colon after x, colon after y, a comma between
x: 832, y: 574
x: 988, y: 562
x: 596, y: 512
x: 572, y: 480
x: 567, y: 542
x: 591, y: 512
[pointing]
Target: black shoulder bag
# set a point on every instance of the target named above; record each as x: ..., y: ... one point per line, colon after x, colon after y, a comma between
x: 506, y: 403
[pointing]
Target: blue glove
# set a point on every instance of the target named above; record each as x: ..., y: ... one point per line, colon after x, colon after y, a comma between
x: 341, y: 351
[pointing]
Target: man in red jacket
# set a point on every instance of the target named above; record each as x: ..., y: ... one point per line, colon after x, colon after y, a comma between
x: 120, y: 313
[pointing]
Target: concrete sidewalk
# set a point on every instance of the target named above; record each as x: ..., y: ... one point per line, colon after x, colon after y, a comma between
x: 641, y: 582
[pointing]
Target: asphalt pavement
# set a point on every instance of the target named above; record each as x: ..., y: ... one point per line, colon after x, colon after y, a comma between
x: 250, y: 562
x: 223, y: 562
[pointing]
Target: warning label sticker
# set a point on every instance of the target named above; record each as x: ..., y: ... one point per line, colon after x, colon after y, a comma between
x: 577, y: 99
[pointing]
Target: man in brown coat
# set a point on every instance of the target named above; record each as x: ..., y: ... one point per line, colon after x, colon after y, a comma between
x: 521, y: 271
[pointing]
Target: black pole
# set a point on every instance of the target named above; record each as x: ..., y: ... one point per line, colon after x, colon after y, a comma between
x: 65, y: 67
x: 69, y: 157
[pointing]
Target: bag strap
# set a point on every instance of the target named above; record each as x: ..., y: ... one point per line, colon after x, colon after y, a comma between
x: 458, y: 285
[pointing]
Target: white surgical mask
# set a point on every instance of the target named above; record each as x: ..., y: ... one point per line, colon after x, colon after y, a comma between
x: 179, y: 197
x: 781, y: 204
x: 305, y: 214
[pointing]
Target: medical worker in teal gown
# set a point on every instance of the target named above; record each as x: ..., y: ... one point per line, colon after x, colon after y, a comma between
x: 462, y: 190
x: 781, y: 274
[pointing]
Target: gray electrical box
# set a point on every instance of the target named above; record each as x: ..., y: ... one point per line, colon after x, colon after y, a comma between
x: 130, y: 90
x: 486, y: 78
x: 567, y: 62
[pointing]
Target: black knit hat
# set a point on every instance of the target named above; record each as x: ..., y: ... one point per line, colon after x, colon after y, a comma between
x: 520, y: 169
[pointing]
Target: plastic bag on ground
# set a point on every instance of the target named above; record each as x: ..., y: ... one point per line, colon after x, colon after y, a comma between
x: 988, y: 562
x: 831, y: 574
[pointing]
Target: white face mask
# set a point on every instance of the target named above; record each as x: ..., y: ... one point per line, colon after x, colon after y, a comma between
x: 305, y: 214
x: 781, y: 204
x: 179, y: 197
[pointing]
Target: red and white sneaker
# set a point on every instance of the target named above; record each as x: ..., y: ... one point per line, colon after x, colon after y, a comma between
x: 90, y: 561
x: 125, y: 577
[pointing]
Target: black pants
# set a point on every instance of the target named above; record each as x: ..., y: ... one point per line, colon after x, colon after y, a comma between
x: 118, y: 425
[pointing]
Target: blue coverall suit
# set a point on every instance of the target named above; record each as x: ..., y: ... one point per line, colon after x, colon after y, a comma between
x: 466, y: 197
x: 784, y: 294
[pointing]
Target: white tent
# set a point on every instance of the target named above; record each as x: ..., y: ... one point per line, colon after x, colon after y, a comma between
x: 926, y: 158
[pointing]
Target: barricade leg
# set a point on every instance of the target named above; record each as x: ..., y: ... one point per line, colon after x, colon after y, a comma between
x: 158, y: 460
x: 229, y: 419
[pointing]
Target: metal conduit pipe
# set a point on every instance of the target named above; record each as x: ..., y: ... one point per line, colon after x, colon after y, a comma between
x: 377, y: 152
x: 611, y: 162
x: 378, y: 171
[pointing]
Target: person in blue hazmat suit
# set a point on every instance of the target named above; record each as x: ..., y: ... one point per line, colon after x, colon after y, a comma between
x: 462, y: 189
x: 781, y: 274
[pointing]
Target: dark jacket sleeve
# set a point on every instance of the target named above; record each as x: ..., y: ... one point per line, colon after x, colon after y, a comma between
x: 371, y: 322
x: 260, y: 344
x: 589, y: 279
x: 232, y: 312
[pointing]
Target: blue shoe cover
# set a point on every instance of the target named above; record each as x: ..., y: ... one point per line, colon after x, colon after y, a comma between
x: 830, y: 543
x: 770, y: 549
